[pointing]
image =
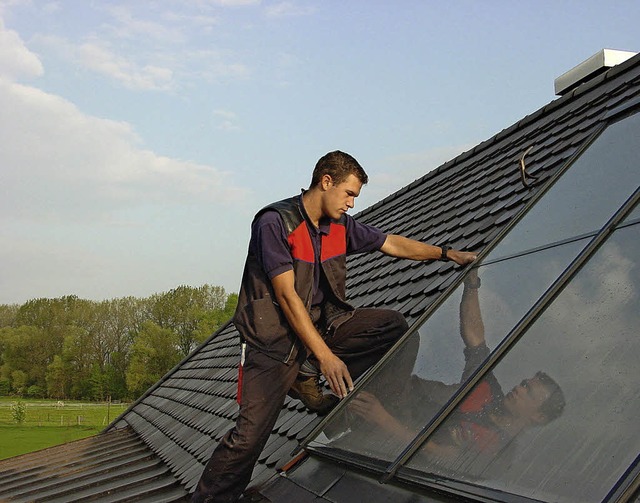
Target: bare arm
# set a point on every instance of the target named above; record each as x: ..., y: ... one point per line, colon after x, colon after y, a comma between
x: 402, y: 247
x: 369, y: 408
x: 332, y: 367
x: 471, y: 325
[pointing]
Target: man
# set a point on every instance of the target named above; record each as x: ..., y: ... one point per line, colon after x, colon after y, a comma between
x: 486, y: 421
x: 292, y: 306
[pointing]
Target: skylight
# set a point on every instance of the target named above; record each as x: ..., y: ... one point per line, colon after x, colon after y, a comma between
x: 458, y: 403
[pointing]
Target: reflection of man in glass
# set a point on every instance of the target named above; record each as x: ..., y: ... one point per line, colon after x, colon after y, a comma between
x: 485, y: 421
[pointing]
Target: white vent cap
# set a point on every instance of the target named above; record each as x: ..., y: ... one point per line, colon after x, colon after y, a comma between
x: 595, y: 65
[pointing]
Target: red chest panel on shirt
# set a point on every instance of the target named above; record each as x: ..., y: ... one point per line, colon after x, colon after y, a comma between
x: 301, y: 245
x: 484, y: 439
x: 478, y: 398
x: 334, y: 243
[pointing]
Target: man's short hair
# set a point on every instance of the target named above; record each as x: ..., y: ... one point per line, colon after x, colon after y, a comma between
x: 338, y: 165
x: 553, y: 406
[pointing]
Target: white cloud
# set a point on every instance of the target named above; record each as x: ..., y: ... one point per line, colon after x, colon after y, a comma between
x: 124, y: 70
x: 56, y: 161
x: 145, y: 49
x: 129, y: 26
x: 6, y: 5
x: 212, y: 66
x: 16, y: 60
x: 235, y: 3
x: 228, y: 120
x: 97, y: 56
x: 84, y: 207
x: 289, y: 9
x: 198, y: 20
x: 51, y: 7
x: 160, y: 70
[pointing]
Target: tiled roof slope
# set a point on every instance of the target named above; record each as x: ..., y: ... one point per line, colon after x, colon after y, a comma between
x: 115, y: 467
x: 464, y: 203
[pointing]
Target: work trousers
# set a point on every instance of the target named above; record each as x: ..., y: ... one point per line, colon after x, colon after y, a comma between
x: 359, y: 342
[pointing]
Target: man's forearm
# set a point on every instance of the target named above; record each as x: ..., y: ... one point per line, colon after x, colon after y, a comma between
x: 471, y: 325
x: 294, y: 310
x: 402, y: 247
x: 296, y: 314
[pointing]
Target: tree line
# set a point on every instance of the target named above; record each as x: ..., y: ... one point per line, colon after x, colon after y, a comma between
x: 71, y: 348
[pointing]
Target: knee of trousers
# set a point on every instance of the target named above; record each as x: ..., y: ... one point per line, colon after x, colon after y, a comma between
x: 246, y: 438
x: 398, y: 324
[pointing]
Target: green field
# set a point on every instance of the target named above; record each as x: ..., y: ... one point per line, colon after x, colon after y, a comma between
x: 48, y: 423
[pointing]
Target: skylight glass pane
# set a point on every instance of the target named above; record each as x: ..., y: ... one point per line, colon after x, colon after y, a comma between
x: 583, y: 199
x: 508, y: 289
x: 587, y: 341
x: 635, y: 214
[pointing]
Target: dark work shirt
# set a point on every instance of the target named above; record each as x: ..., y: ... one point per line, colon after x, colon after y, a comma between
x: 270, y: 245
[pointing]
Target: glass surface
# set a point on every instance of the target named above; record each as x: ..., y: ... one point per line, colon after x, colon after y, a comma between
x: 634, y: 215
x: 584, y: 198
x: 395, y: 395
x: 588, y: 342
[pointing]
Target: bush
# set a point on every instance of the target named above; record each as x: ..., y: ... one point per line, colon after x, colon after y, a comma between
x: 5, y: 386
x: 35, y: 391
x: 19, y: 411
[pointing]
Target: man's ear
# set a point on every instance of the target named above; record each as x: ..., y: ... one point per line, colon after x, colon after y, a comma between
x: 326, y: 181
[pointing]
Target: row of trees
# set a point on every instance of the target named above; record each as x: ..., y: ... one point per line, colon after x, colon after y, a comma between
x: 70, y: 348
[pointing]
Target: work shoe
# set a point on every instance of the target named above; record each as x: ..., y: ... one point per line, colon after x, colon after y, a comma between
x: 307, y: 389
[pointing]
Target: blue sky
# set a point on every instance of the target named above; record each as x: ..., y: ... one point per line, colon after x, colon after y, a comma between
x: 137, y: 139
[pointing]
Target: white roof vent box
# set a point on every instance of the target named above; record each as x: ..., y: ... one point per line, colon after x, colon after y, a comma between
x: 595, y: 65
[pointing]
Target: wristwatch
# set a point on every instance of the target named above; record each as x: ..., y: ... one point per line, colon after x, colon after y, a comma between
x: 443, y: 255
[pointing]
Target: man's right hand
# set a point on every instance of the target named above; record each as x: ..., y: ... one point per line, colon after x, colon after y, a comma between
x: 462, y: 257
x: 337, y: 375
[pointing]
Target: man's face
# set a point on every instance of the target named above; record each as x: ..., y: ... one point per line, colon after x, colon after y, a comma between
x: 525, y: 400
x: 339, y: 198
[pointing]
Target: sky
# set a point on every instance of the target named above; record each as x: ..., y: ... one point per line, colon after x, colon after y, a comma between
x: 138, y: 139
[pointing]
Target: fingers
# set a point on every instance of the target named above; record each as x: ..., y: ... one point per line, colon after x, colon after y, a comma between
x: 343, y: 384
x: 334, y: 384
x: 468, y: 258
x: 465, y: 258
x: 340, y: 382
x: 338, y: 377
x: 348, y: 382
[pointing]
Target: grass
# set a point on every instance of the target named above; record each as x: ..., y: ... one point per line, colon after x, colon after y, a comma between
x: 47, y: 424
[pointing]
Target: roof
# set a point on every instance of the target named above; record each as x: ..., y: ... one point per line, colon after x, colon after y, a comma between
x: 465, y: 203
x: 116, y: 467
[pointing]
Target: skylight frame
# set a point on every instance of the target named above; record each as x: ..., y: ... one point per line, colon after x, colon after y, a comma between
x: 453, y: 286
x: 630, y: 481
